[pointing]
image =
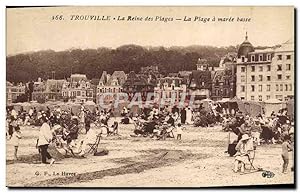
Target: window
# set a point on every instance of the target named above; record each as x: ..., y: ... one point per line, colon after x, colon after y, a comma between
x: 259, y: 88
x: 268, y: 97
x: 288, y: 57
x: 269, y: 57
x: 279, y: 76
x: 252, y: 78
x: 288, y: 67
x: 252, y: 98
x: 286, y: 87
x: 243, y: 78
x: 260, y: 68
x: 279, y: 67
x: 260, y: 58
x: 252, y: 58
x: 277, y: 87
x: 242, y: 98
x: 291, y: 87
x: 260, y: 98
x: 242, y: 88
x: 268, y: 87
x: 225, y: 92
x: 260, y: 77
x: 252, y: 68
x: 279, y: 57
x: 252, y: 88
x: 269, y: 68
x: 281, y: 87
x: 78, y: 93
x: 243, y: 69
x: 268, y: 78
x: 288, y: 77
x: 243, y: 58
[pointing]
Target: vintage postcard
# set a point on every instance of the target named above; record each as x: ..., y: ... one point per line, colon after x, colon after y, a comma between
x: 150, y: 96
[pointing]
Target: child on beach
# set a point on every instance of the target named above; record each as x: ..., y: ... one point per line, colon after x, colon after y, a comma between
x: 179, y: 131
x: 16, y: 136
x: 286, y: 147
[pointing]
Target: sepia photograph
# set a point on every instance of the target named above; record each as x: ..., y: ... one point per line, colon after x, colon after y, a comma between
x: 150, y: 96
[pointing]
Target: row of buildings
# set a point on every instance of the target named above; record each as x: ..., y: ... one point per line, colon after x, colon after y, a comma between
x: 249, y: 74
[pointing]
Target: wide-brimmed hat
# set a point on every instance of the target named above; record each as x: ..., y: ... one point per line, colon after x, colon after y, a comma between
x: 245, y: 137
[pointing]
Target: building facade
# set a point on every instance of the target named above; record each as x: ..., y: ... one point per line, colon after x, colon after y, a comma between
x: 265, y: 74
x: 200, y: 81
x: 53, y: 89
x: 39, y: 88
x: 13, y: 92
x: 138, y: 84
x: 171, y: 89
x: 77, y: 89
x: 110, y: 85
x: 224, y: 79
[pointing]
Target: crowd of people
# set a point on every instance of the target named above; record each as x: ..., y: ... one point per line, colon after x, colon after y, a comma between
x: 246, y: 133
x: 75, y: 131
x: 65, y: 129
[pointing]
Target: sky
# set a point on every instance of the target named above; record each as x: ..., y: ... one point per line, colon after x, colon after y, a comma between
x: 32, y: 29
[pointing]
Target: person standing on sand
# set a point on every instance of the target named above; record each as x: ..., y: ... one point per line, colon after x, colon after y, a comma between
x: 183, y: 116
x: 179, y: 131
x: 292, y: 144
x: 82, y: 118
x: 45, y: 137
x: 286, y: 147
x: 16, y: 136
x: 189, y: 116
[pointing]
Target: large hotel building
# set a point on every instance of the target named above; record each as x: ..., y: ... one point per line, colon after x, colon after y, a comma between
x: 265, y: 74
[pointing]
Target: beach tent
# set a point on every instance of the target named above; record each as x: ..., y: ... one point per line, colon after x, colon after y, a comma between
x: 90, y: 105
x: 252, y: 108
x: 26, y: 106
x: 17, y: 106
x: 272, y: 105
x: 224, y: 100
x: 234, y: 103
x: 70, y: 106
x: 206, y: 104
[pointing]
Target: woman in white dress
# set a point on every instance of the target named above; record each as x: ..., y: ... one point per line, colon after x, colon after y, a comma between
x: 189, y: 116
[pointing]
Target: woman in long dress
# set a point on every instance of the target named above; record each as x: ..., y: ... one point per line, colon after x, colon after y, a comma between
x: 189, y: 116
x: 45, y: 137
